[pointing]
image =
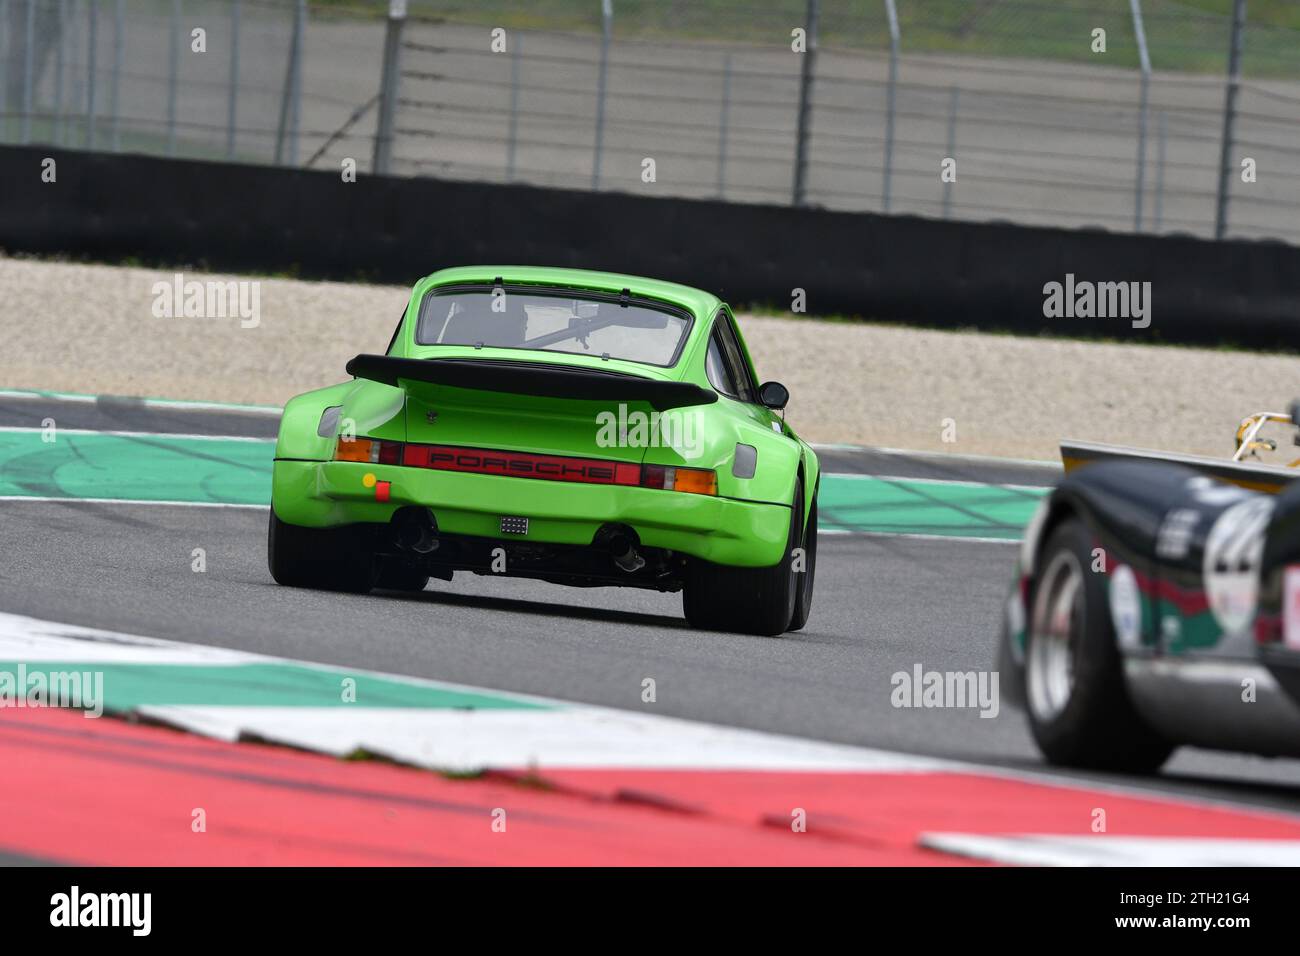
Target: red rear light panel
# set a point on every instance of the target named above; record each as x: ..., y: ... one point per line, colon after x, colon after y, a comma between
x: 592, y: 471
x: 515, y: 464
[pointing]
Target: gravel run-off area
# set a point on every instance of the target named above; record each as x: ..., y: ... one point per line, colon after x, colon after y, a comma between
x: 92, y: 329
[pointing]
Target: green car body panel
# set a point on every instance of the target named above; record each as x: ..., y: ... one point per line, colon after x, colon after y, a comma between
x: 744, y: 525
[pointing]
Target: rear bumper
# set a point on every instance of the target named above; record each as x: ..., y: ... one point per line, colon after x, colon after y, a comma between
x: 1200, y: 701
x: 721, y: 530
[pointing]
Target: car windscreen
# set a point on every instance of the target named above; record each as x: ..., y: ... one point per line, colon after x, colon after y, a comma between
x: 552, y: 322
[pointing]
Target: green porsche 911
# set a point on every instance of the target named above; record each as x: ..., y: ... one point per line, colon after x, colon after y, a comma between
x: 578, y: 427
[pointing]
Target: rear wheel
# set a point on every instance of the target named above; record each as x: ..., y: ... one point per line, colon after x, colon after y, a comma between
x: 1078, y: 704
x: 328, y: 559
x: 803, y: 600
x: 749, y: 600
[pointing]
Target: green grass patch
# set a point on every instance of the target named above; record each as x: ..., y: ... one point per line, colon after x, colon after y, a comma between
x: 1183, y: 35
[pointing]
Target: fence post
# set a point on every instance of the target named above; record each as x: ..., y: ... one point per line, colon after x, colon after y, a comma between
x: 722, y: 126
x: 4, y: 74
x: 1144, y: 107
x: 289, y: 96
x: 952, y: 148
x: 388, y: 83
x: 173, y: 66
x: 1229, y: 115
x: 5, y: 45
x: 91, y: 44
x: 119, y: 25
x: 513, y: 134
x: 29, y: 50
x: 232, y: 102
x: 806, y: 76
x: 892, y: 11
x: 295, y: 124
x: 1160, y: 170
x: 606, y: 33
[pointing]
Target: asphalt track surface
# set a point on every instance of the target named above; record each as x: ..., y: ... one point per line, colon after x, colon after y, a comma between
x: 883, y: 605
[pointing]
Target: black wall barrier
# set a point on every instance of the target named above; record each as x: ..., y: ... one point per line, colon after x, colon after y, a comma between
x: 897, y: 268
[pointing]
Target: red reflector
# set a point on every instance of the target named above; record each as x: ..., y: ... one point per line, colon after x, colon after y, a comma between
x: 483, y: 461
x: 382, y: 490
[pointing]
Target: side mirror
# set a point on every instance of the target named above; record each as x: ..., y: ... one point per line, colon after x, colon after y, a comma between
x: 774, y: 395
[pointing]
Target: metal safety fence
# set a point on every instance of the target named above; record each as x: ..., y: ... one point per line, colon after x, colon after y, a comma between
x: 1146, y: 115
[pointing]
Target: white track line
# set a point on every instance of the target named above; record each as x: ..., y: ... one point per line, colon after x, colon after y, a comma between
x: 1038, y: 489
x: 263, y: 507
x: 174, y: 404
x: 941, y: 455
x: 1052, y: 849
x: 21, y: 429
x: 917, y: 536
x: 133, y: 501
x: 567, y: 736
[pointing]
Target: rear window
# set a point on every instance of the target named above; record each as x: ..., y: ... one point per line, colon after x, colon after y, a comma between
x: 634, y: 332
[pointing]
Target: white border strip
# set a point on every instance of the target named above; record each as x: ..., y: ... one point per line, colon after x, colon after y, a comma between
x: 1052, y: 849
x: 257, y: 507
x: 917, y: 536
x: 177, y: 404
x: 25, y: 429
x: 262, y: 507
x: 941, y: 455
x: 133, y: 501
x: 1035, y: 489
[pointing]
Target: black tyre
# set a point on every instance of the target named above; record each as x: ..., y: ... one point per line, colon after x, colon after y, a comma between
x: 328, y: 559
x: 804, y: 597
x: 749, y: 600
x: 1078, y: 704
x: 397, y: 575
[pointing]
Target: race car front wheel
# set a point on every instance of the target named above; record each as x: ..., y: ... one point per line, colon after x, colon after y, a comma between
x: 328, y: 559
x: 1079, y: 708
x: 758, y: 601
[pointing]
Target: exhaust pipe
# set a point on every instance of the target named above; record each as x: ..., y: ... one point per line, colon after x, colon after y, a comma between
x: 621, y: 542
x: 415, y: 529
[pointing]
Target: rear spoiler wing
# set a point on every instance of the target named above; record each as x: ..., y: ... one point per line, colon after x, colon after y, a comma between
x: 1257, y: 477
x: 531, y: 378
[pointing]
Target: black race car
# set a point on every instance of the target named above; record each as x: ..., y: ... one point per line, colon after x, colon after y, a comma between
x: 1157, y: 604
